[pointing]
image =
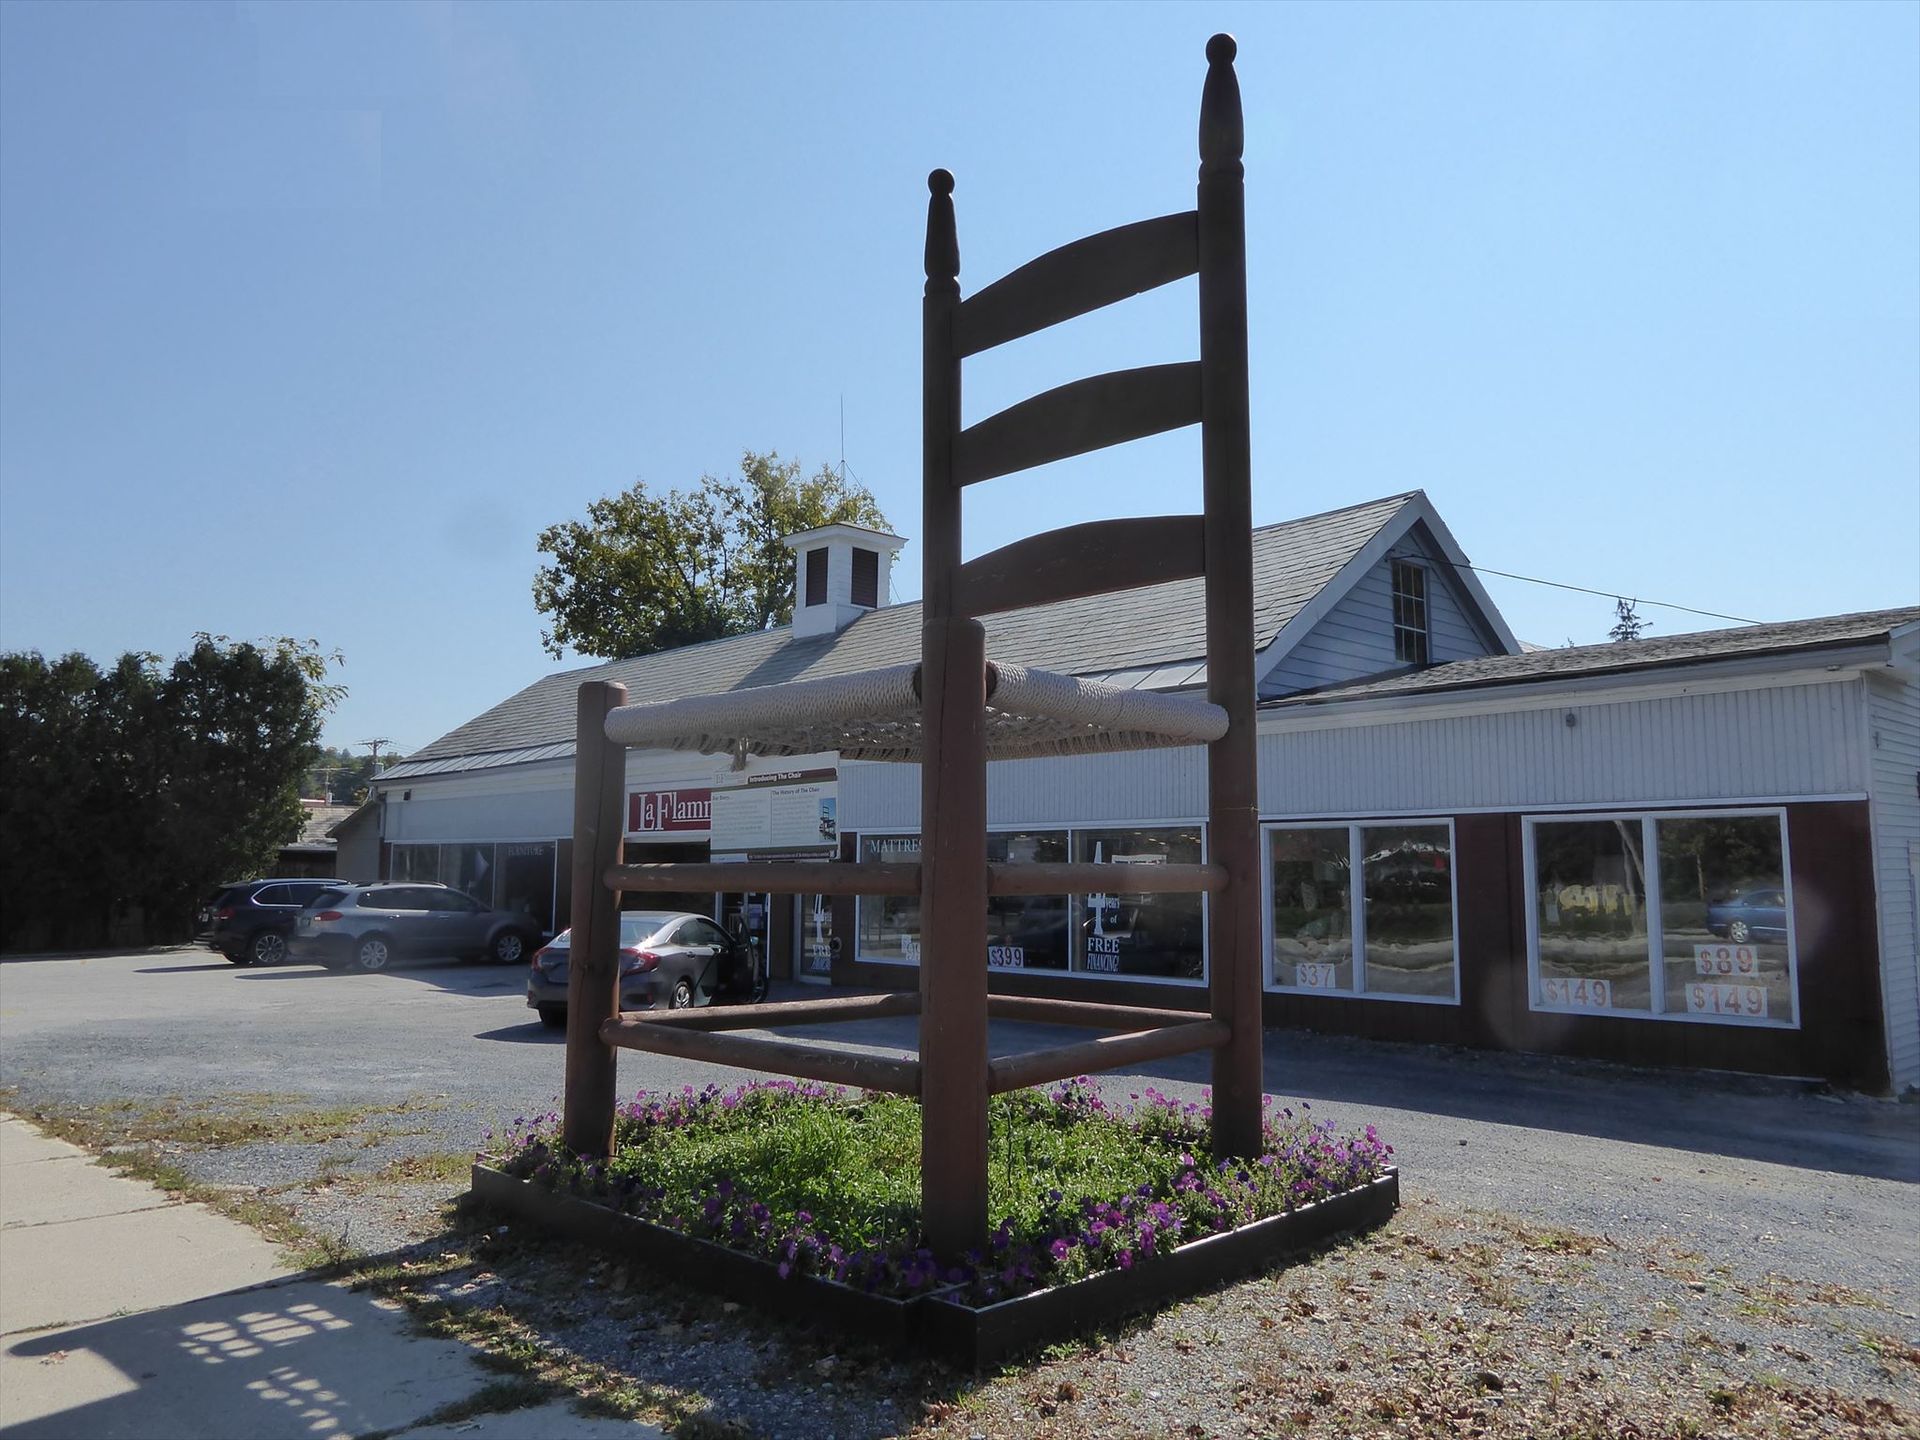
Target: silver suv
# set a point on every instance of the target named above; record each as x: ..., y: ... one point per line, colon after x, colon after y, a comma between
x: 370, y: 925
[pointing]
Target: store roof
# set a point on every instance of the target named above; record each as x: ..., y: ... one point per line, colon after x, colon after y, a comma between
x: 1150, y: 638
x: 1625, y: 657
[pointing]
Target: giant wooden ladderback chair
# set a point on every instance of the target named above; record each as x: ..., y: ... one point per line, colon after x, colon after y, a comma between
x: 955, y: 710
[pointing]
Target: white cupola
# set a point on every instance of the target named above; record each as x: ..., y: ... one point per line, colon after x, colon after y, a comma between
x: 840, y: 573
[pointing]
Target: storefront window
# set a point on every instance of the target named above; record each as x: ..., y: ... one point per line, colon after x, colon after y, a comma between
x: 1396, y: 943
x: 890, y: 924
x: 1027, y: 932
x: 469, y: 868
x: 1717, y: 944
x: 1590, y: 913
x: 415, y: 864
x: 526, y: 880
x: 1724, y: 930
x: 1407, y: 920
x: 817, y: 940
x: 1312, y: 908
x: 1139, y: 935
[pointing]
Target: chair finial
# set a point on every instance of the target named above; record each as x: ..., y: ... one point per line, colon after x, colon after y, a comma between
x: 943, y: 241
x: 1222, y: 131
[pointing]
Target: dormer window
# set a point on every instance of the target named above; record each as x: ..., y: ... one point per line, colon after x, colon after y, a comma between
x: 1409, y: 613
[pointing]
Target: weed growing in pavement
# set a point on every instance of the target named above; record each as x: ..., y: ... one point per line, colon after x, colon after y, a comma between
x: 826, y: 1182
x: 217, y: 1121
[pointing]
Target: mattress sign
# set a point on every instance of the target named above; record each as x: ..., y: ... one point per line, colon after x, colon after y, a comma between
x: 781, y: 813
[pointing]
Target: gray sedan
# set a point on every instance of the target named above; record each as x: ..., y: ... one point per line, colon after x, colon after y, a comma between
x: 669, y: 959
x: 371, y: 925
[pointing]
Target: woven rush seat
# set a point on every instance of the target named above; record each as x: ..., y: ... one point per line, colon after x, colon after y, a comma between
x: 875, y: 715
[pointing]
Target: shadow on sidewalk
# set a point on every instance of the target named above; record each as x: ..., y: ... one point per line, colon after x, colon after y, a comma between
x: 294, y: 1358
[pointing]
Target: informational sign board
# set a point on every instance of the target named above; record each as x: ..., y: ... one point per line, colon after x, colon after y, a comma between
x: 1316, y: 975
x: 783, y: 813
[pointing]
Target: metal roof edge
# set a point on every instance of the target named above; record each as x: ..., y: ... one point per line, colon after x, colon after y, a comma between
x: 1848, y: 654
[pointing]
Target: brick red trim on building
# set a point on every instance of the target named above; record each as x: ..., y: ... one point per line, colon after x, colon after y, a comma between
x: 1841, y: 1037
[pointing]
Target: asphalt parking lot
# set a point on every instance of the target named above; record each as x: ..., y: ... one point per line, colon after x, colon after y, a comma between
x: 1774, y: 1176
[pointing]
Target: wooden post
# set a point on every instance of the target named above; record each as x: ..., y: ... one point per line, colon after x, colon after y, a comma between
x: 953, y: 795
x: 1233, y: 925
x: 593, y: 977
x: 953, y: 938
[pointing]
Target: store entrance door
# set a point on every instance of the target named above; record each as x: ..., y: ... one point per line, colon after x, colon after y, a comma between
x: 750, y: 917
x: 815, y: 943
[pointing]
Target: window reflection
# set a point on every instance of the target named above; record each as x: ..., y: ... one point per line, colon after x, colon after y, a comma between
x: 1590, y: 907
x: 1408, y: 918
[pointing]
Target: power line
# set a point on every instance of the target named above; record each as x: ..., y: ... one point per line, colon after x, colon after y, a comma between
x: 1613, y: 595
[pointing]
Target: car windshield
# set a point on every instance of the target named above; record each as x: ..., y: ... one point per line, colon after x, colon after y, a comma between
x: 635, y: 926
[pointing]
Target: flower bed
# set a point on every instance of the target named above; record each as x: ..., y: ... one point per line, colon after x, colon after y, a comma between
x: 821, y: 1187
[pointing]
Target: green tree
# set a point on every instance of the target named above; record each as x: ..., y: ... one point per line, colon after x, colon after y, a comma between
x: 1627, y: 624
x: 129, y: 793
x: 650, y: 571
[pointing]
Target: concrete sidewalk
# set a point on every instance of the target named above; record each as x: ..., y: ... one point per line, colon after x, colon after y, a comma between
x: 125, y: 1313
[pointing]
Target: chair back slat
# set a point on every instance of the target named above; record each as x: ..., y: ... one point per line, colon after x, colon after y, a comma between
x: 1089, y: 273
x: 1093, y: 558
x: 1085, y: 415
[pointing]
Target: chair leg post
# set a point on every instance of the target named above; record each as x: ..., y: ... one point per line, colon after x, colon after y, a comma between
x: 953, y: 939
x: 599, y: 792
x: 1234, y: 951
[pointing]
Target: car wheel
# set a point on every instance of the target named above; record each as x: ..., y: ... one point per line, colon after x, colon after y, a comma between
x: 372, y: 953
x: 554, y: 1017
x: 1739, y: 932
x: 758, y: 987
x: 682, y: 996
x: 269, y: 948
x: 509, y: 947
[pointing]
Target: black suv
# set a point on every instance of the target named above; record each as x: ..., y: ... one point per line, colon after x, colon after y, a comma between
x: 251, y: 921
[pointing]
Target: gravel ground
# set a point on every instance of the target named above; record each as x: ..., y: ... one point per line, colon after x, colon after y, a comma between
x: 1584, y: 1250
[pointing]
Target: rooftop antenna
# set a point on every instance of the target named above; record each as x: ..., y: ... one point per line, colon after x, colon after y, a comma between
x: 843, y: 437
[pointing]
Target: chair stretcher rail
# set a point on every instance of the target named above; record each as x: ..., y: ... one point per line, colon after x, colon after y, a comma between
x: 791, y: 1012
x: 1063, y: 1062
x: 799, y: 1058
x: 1105, y: 879
x: 1091, y: 1014
x: 797, y: 877
x: 820, y: 877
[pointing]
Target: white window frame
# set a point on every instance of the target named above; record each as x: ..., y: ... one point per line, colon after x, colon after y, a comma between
x: 1357, y: 903
x: 1425, y: 601
x: 1070, y: 829
x: 1656, y: 932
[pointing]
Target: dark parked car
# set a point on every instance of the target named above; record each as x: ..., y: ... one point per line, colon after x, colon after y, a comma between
x: 370, y: 925
x: 249, y: 923
x: 1756, y: 915
x: 668, y: 960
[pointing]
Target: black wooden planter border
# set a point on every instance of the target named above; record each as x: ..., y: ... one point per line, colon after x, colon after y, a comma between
x: 981, y: 1337
x: 966, y: 1335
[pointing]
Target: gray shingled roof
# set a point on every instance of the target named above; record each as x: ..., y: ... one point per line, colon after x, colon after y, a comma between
x: 1620, y: 657
x: 1153, y: 637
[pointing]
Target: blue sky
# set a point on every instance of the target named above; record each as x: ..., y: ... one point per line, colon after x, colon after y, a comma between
x: 312, y: 315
